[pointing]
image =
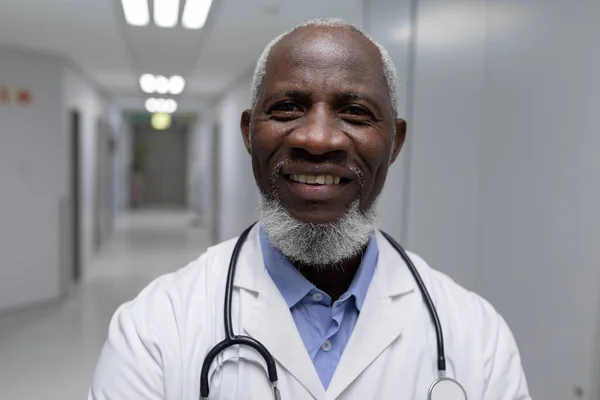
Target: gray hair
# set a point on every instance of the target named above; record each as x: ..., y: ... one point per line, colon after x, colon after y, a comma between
x: 389, y: 69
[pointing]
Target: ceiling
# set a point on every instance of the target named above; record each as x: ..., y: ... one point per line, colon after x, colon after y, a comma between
x: 94, y: 35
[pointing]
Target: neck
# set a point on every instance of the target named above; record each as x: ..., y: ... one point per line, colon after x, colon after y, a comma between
x: 332, y: 279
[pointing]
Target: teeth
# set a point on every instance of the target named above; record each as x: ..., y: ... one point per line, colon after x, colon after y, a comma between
x: 316, y: 179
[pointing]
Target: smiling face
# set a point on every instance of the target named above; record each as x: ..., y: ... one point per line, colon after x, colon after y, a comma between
x: 322, y: 133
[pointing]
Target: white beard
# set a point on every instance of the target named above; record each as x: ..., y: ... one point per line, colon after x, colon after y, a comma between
x: 319, y: 245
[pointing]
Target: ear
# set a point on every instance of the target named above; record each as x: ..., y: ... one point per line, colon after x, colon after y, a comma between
x: 245, y: 128
x: 399, y: 138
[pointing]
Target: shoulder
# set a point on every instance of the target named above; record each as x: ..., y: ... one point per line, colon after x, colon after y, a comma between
x: 471, y: 322
x: 163, y: 301
x: 452, y: 297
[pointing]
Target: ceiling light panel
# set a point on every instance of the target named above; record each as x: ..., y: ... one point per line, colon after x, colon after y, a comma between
x: 169, y: 106
x: 166, y: 13
x: 148, y: 83
x: 195, y: 13
x: 162, y: 85
x: 151, y: 105
x: 136, y: 12
x: 176, y: 85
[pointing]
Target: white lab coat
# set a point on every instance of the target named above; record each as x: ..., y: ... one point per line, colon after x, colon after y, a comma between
x: 157, y: 342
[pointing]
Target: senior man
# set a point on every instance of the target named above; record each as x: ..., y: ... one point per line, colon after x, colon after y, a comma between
x: 319, y: 296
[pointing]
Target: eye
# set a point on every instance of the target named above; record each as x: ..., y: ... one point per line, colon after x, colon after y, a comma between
x: 356, y: 111
x: 285, y: 107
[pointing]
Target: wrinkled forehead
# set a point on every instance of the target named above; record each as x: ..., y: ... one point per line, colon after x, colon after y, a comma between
x: 324, y: 57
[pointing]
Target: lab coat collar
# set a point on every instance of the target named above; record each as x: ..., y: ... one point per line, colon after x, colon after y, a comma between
x: 381, y: 321
x: 269, y: 320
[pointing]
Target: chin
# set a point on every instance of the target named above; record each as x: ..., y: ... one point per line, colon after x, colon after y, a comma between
x: 317, y: 215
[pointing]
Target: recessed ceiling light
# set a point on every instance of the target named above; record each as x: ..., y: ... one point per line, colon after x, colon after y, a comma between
x: 166, y: 13
x: 136, y: 12
x: 195, y: 13
x: 148, y: 83
x: 169, y: 106
x: 162, y: 85
x: 151, y: 105
x: 176, y: 84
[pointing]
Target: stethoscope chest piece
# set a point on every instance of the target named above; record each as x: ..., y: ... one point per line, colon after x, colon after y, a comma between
x: 446, y: 389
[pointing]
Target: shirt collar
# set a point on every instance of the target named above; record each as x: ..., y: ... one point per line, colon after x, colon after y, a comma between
x: 290, y: 282
x: 293, y: 286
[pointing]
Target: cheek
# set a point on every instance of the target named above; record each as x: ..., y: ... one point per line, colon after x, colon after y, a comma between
x: 265, y: 143
x: 374, y: 148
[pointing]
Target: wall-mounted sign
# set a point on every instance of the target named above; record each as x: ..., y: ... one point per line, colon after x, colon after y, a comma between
x: 14, y: 96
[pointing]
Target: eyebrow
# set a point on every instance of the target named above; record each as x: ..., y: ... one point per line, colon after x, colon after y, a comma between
x: 300, y: 95
x: 289, y: 93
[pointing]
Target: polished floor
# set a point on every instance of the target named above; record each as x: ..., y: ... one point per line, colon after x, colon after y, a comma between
x: 49, y: 353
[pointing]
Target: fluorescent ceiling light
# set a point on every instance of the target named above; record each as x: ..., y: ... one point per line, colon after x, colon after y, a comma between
x: 148, y: 83
x: 169, y: 106
x: 151, y: 105
x: 195, y: 13
x: 176, y: 84
x: 136, y: 12
x: 166, y: 13
x: 162, y: 85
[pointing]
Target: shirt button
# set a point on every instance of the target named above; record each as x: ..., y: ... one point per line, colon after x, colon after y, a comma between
x: 326, y: 345
x: 317, y: 296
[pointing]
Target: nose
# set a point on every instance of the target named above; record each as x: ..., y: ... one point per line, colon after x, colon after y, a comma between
x: 320, y: 134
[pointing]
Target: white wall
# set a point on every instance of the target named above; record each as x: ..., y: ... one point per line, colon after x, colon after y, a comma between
x: 239, y: 199
x: 388, y: 22
x: 238, y: 193
x: 81, y: 95
x: 200, y: 170
x: 446, y: 123
x: 123, y: 134
x: 33, y: 182
x: 504, y: 172
x: 540, y: 196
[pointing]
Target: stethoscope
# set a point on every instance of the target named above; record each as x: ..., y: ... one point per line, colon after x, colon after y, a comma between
x: 443, y: 388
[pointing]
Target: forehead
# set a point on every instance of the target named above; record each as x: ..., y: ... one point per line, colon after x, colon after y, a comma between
x: 326, y: 58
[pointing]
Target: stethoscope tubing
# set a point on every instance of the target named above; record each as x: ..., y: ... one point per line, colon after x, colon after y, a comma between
x: 441, y: 359
x: 231, y: 339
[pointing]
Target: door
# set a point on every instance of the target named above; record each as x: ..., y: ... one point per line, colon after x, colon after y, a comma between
x: 74, y: 167
x: 215, y: 185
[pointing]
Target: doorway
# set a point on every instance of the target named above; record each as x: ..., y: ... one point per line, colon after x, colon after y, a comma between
x: 160, y: 175
x: 74, y: 167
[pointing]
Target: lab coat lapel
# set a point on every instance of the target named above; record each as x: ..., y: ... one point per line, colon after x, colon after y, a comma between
x: 270, y: 321
x: 381, y: 320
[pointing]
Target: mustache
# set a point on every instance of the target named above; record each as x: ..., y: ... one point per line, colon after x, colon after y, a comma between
x: 355, y: 169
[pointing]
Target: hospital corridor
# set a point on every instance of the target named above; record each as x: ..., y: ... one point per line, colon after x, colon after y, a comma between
x: 51, y: 351
x: 137, y: 134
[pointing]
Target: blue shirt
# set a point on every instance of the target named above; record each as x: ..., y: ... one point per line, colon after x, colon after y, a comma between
x: 325, y: 328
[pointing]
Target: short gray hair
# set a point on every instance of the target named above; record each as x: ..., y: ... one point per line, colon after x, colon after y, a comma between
x: 389, y: 69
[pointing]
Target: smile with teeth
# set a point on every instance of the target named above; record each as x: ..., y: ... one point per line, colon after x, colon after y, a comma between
x: 316, y: 179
